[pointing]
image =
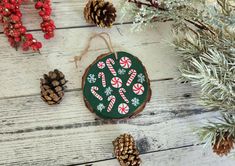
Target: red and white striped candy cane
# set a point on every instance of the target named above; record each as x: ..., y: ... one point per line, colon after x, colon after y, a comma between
x: 93, y: 91
x: 110, y: 62
x: 102, y: 76
x: 133, y: 74
x: 121, y: 92
x: 112, y: 100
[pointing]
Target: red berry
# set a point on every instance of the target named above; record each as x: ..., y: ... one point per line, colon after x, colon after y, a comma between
x: 34, y: 46
x: 17, y: 39
x: 9, y: 6
x: 16, y: 34
x: 48, y: 12
x: 42, y: 13
x: 46, y: 18
x: 19, y: 14
x: 12, y: 1
x: 28, y: 43
x: 38, y: 5
x: 52, y: 22
x: 46, y: 6
x: 10, y: 39
x: 39, y: 45
x: 5, y: 1
x: 28, y: 36
x: 25, y: 45
x: 22, y: 30
x: 47, y: 36
x: 19, y: 1
x: 15, y: 18
x: 50, y: 29
x: 17, y: 25
x: 25, y: 48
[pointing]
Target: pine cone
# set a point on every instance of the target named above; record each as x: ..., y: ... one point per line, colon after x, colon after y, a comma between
x: 126, y: 151
x: 223, y: 145
x: 100, y: 13
x: 52, y: 86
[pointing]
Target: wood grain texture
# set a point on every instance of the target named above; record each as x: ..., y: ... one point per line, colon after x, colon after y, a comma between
x: 191, y: 155
x: 21, y: 71
x: 33, y: 133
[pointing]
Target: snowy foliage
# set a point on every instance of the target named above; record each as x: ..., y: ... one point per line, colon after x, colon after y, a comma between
x: 204, y: 34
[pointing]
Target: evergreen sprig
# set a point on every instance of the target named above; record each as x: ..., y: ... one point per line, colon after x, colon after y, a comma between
x: 224, y: 124
x: 209, y: 56
x: 204, y: 34
x: 213, y: 133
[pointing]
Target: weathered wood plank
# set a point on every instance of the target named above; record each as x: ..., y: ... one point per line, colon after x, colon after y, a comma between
x: 193, y: 156
x: 170, y: 99
x: 32, y: 133
x: 20, y: 71
x: 66, y: 14
x: 35, y: 134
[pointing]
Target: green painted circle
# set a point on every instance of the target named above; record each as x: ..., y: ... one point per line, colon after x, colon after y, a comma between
x: 91, y: 79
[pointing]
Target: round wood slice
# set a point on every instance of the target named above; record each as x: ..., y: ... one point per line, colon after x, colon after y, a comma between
x: 116, y: 88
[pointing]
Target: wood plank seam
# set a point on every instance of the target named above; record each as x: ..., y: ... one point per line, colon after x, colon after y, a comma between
x: 75, y: 27
x: 72, y: 90
x: 150, y: 152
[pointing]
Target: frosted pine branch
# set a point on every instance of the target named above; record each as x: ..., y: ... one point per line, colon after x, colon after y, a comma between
x: 204, y: 34
x: 219, y: 135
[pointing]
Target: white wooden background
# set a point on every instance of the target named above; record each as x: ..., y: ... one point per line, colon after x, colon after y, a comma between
x: 33, y: 133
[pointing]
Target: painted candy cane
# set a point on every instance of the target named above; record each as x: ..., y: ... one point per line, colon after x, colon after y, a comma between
x: 112, y: 100
x: 93, y: 91
x: 110, y: 62
x: 102, y: 76
x: 121, y: 92
x: 132, y: 74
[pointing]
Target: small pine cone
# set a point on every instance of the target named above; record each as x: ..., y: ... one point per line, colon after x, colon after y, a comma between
x: 126, y: 151
x: 99, y: 12
x: 52, y: 87
x: 223, y: 145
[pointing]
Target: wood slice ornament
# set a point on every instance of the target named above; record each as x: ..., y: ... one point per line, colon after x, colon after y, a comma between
x: 115, y: 85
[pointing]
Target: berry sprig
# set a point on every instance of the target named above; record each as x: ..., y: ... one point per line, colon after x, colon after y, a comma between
x: 10, y: 17
x: 47, y: 24
x: 30, y: 42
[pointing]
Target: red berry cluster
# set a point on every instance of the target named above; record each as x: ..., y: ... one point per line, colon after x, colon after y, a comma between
x: 10, y: 17
x: 47, y: 25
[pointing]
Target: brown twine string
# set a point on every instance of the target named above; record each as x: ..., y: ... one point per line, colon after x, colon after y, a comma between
x: 78, y: 58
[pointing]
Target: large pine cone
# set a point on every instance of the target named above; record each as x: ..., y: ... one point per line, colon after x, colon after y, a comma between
x: 100, y: 13
x: 223, y: 144
x: 126, y: 151
x: 52, y: 87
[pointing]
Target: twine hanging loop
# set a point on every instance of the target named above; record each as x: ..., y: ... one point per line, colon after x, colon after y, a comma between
x: 102, y: 35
